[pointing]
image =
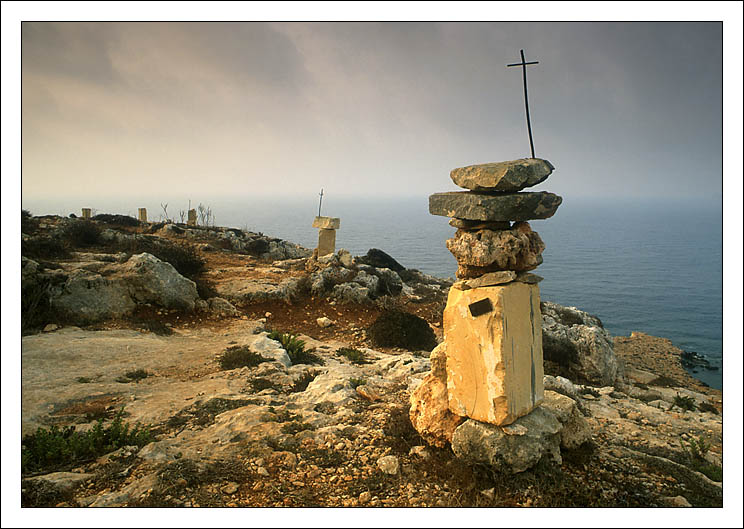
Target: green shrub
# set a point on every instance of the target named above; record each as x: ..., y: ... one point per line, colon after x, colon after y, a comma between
x: 295, y: 348
x: 36, y: 310
x: 29, y: 224
x: 47, y: 449
x: 116, y: 220
x: 84, y: 380
x: 354, y: 355
x: 695, y: 451
x: 239, y: 356
x: 684, y: 402
x: 82, y: 233
x: 397, y: 328
x: 44, y: 248
x: 356, y: 382
x: 708, y: 407
x: 133, y: 376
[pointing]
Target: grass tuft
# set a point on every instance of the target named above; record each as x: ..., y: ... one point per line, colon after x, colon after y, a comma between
x: 48, y: 449
x: 239, y: 356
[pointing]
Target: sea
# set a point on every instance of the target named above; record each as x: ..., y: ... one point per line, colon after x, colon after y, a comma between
x: 639, y: 265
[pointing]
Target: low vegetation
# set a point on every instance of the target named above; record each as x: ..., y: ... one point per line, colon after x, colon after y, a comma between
x: 50, y: 449
x: 239, y: 356
x: 295, y: 348
x: 684, y: 402
x: 397, y: 328
x: 356, y: 382
x: 134, y: 375
x: 354, y: 355
x: 116, y: 220
x: 695, y: 450
x: 82, y: 233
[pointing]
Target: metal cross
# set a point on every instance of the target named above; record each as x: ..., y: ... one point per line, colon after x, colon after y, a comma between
x: 526, y: 104
x: 321, y: 201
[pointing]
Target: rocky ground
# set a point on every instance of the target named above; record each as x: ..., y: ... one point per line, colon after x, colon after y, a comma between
x: 334, y: 430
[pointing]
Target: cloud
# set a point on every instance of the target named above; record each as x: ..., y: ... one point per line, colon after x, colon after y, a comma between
x: 366, y: 107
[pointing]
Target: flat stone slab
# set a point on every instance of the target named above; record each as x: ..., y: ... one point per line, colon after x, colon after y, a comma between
x: 482, y: 206
x: 462, y: 224
x: 487, y: 280
x: 327, y: 223
x: 509, y: 176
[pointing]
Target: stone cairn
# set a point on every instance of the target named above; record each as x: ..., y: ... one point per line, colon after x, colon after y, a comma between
x: 489, y: 368
x: 327, y: 227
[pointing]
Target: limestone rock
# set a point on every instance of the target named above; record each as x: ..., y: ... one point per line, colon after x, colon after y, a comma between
x: 578, y: 342
x: 438, y: 360
x: 527, y: 277
x: 327, y: 223
x: 63, y: 481
x: 389, y: 465
x: 487, y: 280
x: 517, y: 249
x: 430, y: 414
x: 576, y: 430
x: 253, y: 290
x: 513, y: 175
x: 222, y: 306
x: 351, y: 293
x: 505, y: 207
x: 494, y: 359
x: 151, y: 280
x: 479, y: 224
x: 527, y: 440
x: 324, y: 322
x: 89, y: 297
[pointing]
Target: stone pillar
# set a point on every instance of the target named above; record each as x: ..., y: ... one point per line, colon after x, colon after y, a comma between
x: 494, y: 351
x: 327, y: 227
x: 142, y: 214
x: 192, y: 218
x: 86, y: 213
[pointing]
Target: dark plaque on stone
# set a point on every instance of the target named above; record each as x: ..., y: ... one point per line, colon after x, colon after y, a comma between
x: 480, y: 308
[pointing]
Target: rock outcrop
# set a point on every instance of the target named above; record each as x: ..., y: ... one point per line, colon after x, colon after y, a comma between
x: 577, y: 341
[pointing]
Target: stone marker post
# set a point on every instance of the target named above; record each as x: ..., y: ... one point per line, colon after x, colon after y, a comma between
x: 192, y: 218
x: 492, y: 369
x: 327, y: 227
x: 86, y: 213
x: 142, y: 214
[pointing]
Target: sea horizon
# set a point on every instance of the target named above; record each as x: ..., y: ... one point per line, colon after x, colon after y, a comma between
x: 647, y: 265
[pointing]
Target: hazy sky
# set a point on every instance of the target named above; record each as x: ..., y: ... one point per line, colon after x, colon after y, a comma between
x: 209, y: 109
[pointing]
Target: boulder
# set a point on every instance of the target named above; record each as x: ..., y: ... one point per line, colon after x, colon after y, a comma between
x: 252, y: 290
x: 222, y: 306
x: 576, y: 430
x: 351, y: 293
x: 430, y: 413
x: 151, y: 280
x: 513, y: 175
x: 88, y: 297
x: 577, y: 342
x: 510, y: 449
x: 518, y: 249
x: 380, y: 259
x: 503, y: 207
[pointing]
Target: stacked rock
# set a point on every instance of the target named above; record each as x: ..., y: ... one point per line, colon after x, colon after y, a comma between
x: 490, y: 365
